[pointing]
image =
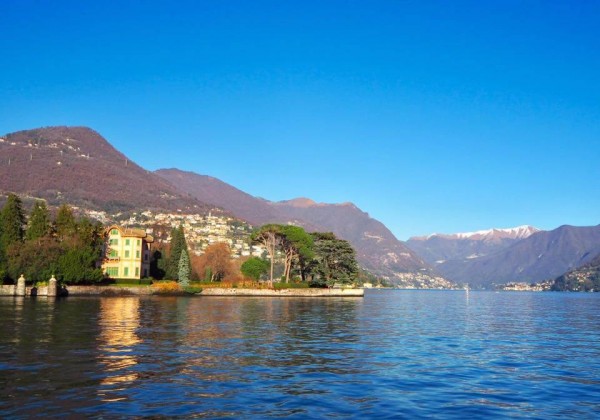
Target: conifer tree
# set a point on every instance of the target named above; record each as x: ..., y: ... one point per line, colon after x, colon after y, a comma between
x: 12, y: 220
x: 184, y: 269
x: 65, y: 222
x: 39, y: 222
x: 178, y: 244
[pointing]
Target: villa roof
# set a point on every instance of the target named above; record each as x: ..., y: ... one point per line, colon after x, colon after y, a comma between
x: 131, y: 233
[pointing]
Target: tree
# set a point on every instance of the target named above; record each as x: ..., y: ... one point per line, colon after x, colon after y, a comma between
x: 184, y: 269
x: 270, y: 237
x: 335, y: 260
x: 12, y: 220
x: 78, y: 264
x: 64, y: 223
x: 215, y: 262
x: 91, y: 234
x: 255, y: 267
x: 39, y: 222
x: 178, y: 244
x: 36, y: 259
x: 297, y: 247
x: 72, y: 255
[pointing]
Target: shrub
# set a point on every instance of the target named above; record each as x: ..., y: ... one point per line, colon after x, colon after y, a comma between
x: 255, y: 268
x: 278, y: 286
x: 166, y: 287
x: 192, y: 290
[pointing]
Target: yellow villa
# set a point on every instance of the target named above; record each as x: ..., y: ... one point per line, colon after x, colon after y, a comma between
x: 127, y: 253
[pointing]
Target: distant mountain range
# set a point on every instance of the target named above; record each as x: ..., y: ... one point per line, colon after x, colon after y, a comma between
x: 498, y: 256
x: 440, y: 248
x: 377, y: 248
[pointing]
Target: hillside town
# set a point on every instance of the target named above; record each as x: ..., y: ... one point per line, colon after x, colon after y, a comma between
x: 200, y: 230
x: 526, y: 287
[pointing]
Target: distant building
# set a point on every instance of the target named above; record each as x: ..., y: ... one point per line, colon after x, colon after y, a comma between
x: 127, y: 253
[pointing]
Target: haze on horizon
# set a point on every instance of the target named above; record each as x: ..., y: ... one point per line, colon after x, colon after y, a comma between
x: 431, y: 116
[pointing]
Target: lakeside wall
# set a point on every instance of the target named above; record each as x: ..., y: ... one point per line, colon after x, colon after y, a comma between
x: 11, y: 290
x: 283, y: 292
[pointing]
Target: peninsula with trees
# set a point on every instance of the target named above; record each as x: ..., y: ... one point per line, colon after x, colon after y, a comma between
x: 43, y: 244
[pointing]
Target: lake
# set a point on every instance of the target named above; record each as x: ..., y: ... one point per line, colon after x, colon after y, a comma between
x: 393, y: 353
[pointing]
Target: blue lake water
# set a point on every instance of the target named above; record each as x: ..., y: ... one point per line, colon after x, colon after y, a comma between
x: 442, y: 354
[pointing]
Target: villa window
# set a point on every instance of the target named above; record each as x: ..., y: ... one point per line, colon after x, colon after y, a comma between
x: 114, y: 242
x: 127, y: 254
x: 137, y: 254
x: 114, y: 232
x: 113, y: 253
x: 112, y: 271
x: 127, y: 242
x: 126, y: 272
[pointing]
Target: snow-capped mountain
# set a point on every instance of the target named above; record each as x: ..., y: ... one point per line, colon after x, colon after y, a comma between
x: 440, y: 248
x: 519, y: 232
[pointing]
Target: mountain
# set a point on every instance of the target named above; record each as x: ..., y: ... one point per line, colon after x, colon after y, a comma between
x: 440, y: 248
x: 540, y: 256
x: 377, y: 248
x: 78, y: 166
x: 583, y: 278
x: 214, y: 191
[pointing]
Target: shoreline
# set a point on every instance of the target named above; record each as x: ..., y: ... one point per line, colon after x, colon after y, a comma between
x: 11, y: 290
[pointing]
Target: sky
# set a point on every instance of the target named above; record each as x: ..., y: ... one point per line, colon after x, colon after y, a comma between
x: 431, y: 116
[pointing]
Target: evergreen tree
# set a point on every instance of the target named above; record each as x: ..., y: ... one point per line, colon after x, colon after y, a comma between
x: 64, y: 222
x: 78, y: 264
x: 12, y: 220
x: 335, y: 261
x: 178, y: 244
x: 39, y: 222
x: 184, y: 269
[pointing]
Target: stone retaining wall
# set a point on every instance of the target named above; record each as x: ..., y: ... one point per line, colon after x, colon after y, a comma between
x: 283, y: 292
x: 7, y: 290
x: 10, y: 290
x: 109, y: 291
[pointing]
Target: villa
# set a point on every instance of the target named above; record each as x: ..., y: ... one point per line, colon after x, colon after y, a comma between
x: 127, y: 253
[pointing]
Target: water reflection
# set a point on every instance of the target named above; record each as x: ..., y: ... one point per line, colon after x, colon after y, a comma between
x: 118, y: 320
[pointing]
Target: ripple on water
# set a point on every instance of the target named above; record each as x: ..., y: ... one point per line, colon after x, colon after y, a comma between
x: 392, y: 354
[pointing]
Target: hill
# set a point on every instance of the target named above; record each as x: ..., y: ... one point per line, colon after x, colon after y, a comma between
x: 76, y: 165
x: 585, y: 278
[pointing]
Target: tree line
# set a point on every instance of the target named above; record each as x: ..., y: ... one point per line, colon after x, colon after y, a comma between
x: 43, y: 246
x: 320, y: 259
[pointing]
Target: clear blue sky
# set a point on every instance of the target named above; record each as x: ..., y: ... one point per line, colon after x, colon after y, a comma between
x: 431, y: 116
